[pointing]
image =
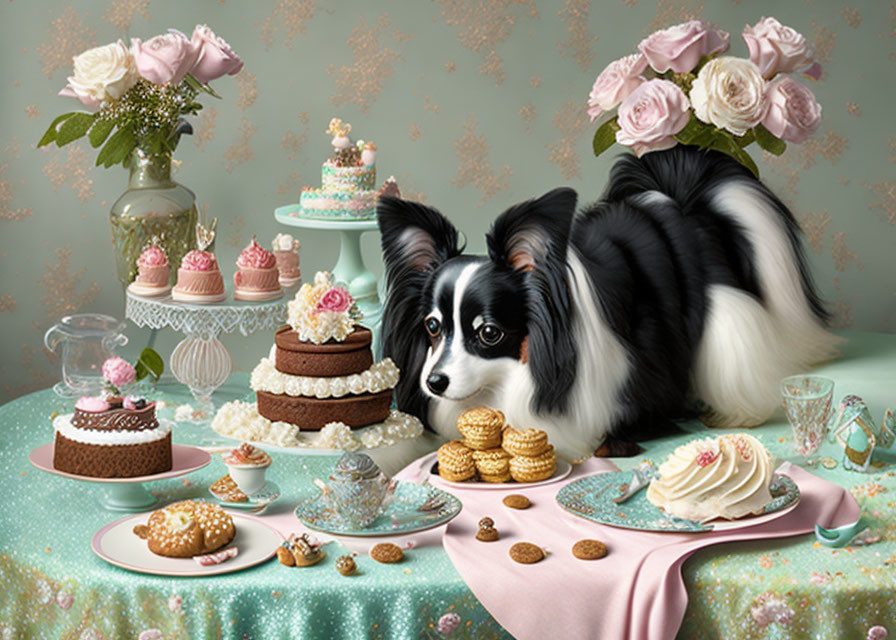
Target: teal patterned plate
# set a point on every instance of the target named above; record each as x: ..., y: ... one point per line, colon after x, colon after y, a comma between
x: 414, y: 507
x: 592, y: 498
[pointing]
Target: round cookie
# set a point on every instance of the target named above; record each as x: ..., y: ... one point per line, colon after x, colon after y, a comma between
x: 481, y: 428
x: 456, y: 461
x: 534, y: 468
x: 589, y: 549
x: 493, y: 465
x: 524, y: 442
x: 387, y: 553
x: 516, y: 501
x: 526, y: 553
x: 187, y: 528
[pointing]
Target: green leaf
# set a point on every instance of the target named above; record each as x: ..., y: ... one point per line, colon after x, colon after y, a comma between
x: 117, y: 148
x: 746, y: 139
x: 149, y: 363
x: 51, y: 133
x: 726, y: 143
x: 198, y: 86
x: 99, y: 132
x: 605, y: 136
x: 74, y: 127
x: 695, y: 129
x: 767, y: 141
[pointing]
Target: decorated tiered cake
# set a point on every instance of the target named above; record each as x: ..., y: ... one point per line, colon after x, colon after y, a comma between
x: 153, y: 272
x: 348, y: 180
x: 199, y: 279
x: 320, y: 377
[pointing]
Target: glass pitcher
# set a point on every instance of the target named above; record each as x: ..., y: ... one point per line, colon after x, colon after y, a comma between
x: 86, y: 340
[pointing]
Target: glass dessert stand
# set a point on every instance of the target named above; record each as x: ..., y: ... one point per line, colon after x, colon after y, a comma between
x: 349, y: 268
x: 200, y: 361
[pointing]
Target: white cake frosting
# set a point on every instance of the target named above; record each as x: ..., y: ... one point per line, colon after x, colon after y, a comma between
x: 726, y: 477
x: 380, y: 376
x: 63, y: 424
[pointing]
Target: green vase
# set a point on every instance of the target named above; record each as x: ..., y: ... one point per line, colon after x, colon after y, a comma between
x: 152, y: 205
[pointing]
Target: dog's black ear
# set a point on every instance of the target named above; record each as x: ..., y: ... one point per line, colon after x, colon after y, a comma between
x: 416, y: 239
x: 532, y: 237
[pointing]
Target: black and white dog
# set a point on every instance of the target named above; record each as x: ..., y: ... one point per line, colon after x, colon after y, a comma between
x: 684, y: 286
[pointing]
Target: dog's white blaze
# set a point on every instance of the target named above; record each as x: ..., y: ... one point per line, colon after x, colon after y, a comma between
x: 601, y: 371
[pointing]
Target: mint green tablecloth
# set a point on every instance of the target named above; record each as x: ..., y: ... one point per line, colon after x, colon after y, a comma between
x: 52, y: 586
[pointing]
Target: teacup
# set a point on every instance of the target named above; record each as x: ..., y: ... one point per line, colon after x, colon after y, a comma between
x: 247, y: 466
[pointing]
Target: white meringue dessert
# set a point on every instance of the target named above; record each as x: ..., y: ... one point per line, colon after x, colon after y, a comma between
x: 726, y: 477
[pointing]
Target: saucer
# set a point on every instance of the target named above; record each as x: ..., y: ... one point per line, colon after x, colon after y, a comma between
x: 261, y: 498
x: 414, y: 507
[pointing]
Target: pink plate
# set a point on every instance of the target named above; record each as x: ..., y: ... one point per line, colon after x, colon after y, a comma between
x: 117, y: 544
x: 185, y: 459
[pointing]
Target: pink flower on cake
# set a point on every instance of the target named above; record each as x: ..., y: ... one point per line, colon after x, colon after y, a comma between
x: 165, y: 59
x: 448, y: 624
x: 215, y: 58
x: 152, y: 257
x: 729, y: 93
x: 615, y: 83
x: 198, y: 260
x: 119, y: 372
x: 650, y: 117
x: 101, y: 74
x: 776, y: 48
x: 793, y: 113
x: 255, y: 256
x: 92, y: 404
x: 336, y: 299
x: 680, y: 47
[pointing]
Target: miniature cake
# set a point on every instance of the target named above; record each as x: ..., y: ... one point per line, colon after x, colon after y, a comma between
x: 199, y: 279
x: 153, y: 273
x: 112, y: 438
x: 286, y: 251
x: 320, y: 376
x: 726, y: 477
x: 257, y: 276
x: 348, y: 180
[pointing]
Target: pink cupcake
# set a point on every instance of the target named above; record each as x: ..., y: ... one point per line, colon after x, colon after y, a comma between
x: 257, y: 275
x: 198, y: 279
x: 153, y: 273
x: 286, y: 250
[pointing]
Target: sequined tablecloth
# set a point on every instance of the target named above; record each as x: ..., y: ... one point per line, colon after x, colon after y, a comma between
x: 52, y: 586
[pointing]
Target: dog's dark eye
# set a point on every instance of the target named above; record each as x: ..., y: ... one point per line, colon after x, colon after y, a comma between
x: 490, y: 335
x: 433, y: 326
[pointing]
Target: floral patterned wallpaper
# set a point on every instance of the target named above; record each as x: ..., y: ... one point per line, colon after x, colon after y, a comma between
x: 474, y: 104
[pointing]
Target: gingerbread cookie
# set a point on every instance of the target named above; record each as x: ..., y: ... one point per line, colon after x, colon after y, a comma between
x: 487, y: 531
x: 186, y: 529
x: 387, y: 553
x: 493, y: 465
x: 534, y: 468
x: 526, y: 553
x: 525, y: 442
x: 456, y: 461
x: 589, y: 549
x: 481, y: 428
x: 516, y: 501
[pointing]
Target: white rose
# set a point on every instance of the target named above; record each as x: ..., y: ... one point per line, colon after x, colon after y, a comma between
x: 729, y: 93
x: 101, y: 74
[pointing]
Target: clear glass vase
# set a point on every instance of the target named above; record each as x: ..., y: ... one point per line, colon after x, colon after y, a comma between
x: 152, y: 205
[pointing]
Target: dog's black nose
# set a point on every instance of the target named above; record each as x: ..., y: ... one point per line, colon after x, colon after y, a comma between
x: 437, y: 383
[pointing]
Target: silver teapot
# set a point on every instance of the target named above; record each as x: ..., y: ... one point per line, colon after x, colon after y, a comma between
x: 357, y: 489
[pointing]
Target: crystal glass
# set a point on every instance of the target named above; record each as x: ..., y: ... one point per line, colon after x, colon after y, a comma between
x: 807, y: 404
x: 85, y: 341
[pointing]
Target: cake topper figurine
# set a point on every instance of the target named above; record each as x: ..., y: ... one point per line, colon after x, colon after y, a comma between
x: 855, y: 430
x: 339, y: 130
x: 205, y: 236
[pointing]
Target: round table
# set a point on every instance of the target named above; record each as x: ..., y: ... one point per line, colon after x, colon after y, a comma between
x: 53, y: 585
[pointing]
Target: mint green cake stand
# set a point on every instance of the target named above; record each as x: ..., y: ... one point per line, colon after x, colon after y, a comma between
x: 349, y: 268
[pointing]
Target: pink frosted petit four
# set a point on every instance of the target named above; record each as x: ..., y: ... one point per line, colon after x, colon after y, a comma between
x: 199, y: 279
x: 153, y: 273
x: 257, y: 277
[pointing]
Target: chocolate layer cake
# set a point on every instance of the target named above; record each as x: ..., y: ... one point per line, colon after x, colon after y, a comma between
x: 313, y: 414
x: 325, y: 360
x: 115, y: 443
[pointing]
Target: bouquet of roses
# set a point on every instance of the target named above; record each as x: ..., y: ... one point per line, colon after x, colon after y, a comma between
x: 141, y: 93
x: 680, y: 89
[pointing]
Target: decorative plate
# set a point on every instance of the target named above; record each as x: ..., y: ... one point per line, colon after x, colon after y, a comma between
x: 414, y: 507
x: 117, y: 544
x: 261, y: 498
x: 592, y: 498
x: 563, y: 469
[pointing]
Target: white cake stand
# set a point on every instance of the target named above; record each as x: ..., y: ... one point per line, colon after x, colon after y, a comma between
x: 349, y: 268
x: 200, y: 361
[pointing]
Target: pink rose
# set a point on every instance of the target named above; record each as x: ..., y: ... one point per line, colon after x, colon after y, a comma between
x: 792, y: 114
x: 775, y: 48
x: 92, y: 404
x: 198, y: 260
x: 152, y: 257
x: 615, y: 83
x: 651, y: 116
x: 256, y: 256
x: 118, y: 371
x: 164, y: 59
x: 680, y: 47
x: 336, y: 299
x: 215, y: 57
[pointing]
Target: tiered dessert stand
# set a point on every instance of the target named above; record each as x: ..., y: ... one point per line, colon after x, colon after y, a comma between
x: 200, y: 361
